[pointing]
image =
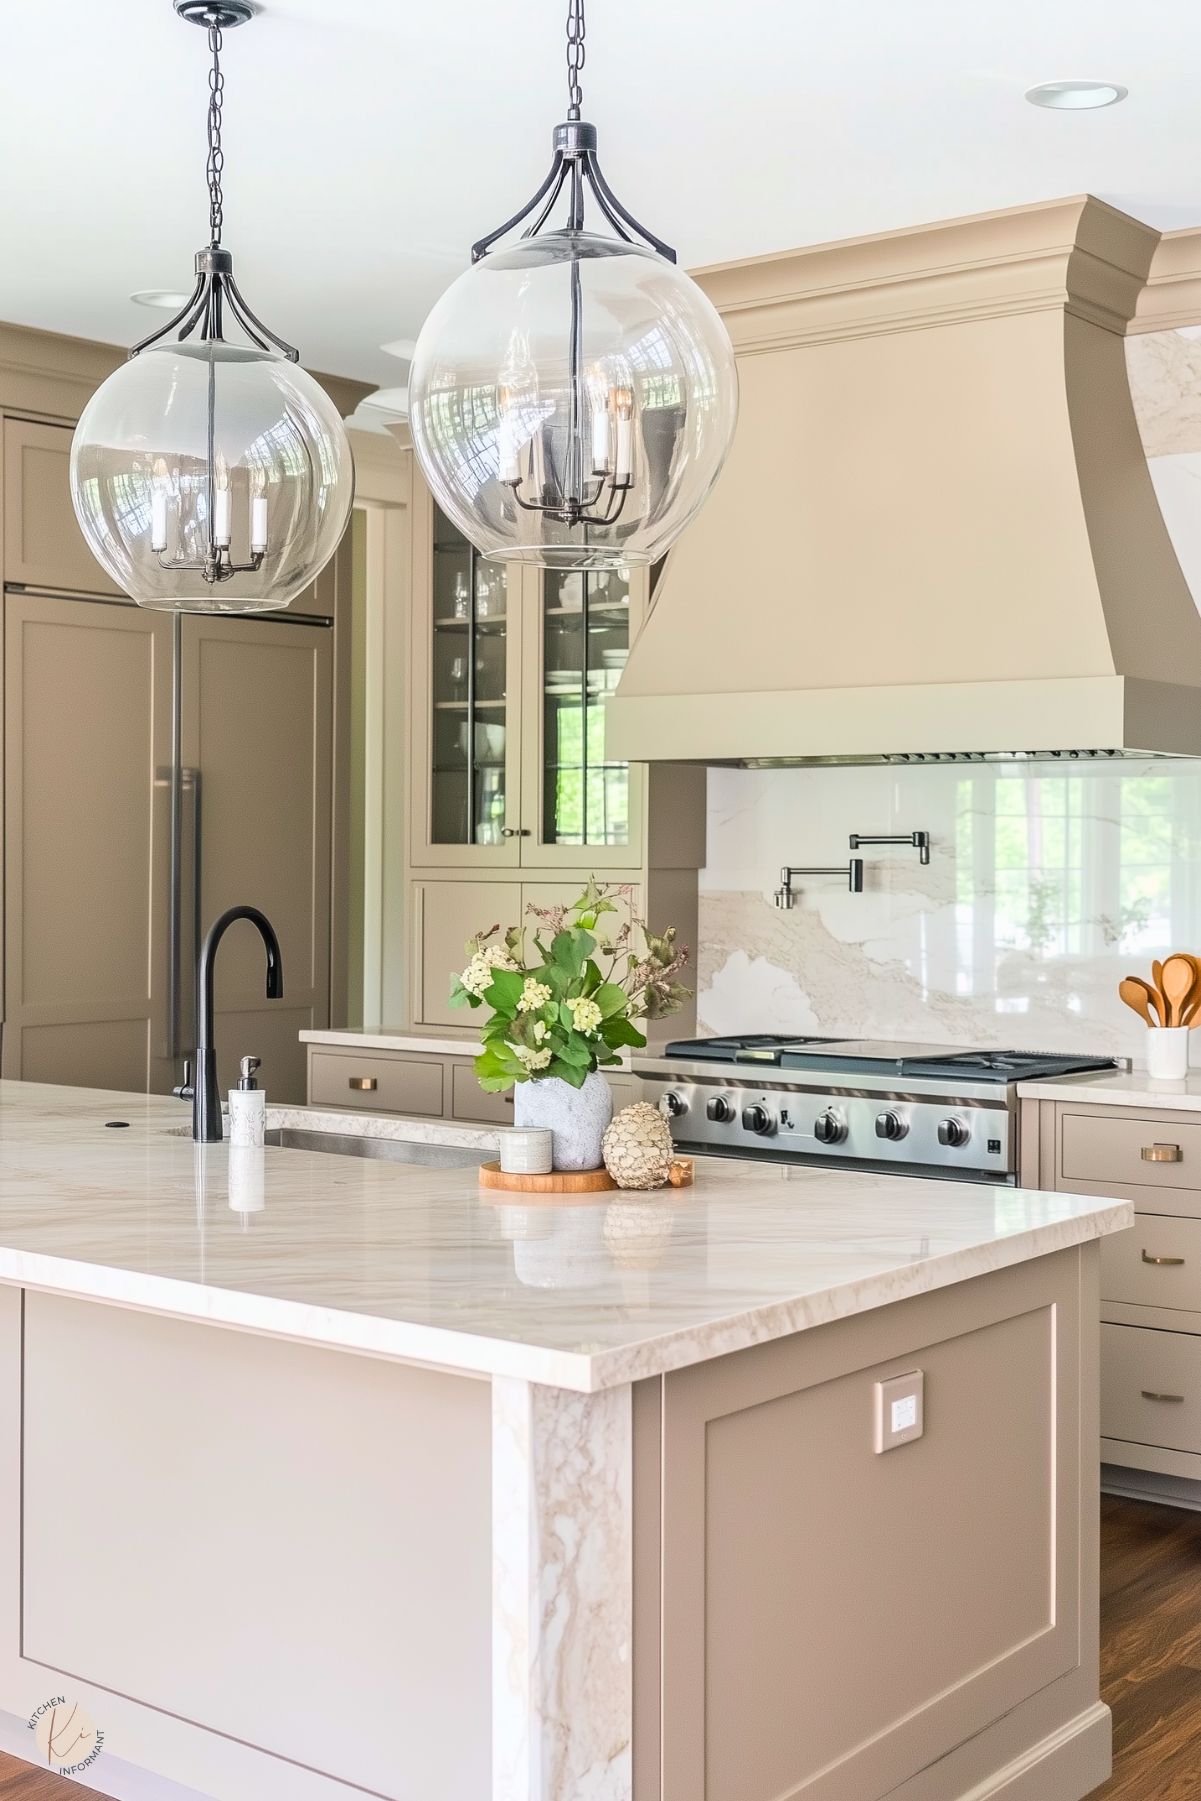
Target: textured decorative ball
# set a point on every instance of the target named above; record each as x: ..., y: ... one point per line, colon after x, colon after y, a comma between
x: 637, y: 1147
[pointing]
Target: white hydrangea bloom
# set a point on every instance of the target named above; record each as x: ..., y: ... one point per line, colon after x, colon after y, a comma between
x: 585, y: 1014
x: 477, y: 977
x: 532, y: 1059
x: 540, y: 1030
x: 533, y: 996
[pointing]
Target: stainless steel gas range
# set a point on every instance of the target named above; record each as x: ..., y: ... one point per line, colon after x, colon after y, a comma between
x: 916, y: 1109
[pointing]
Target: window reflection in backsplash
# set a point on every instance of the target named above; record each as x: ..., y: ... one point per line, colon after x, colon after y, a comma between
x: 1046, y: 883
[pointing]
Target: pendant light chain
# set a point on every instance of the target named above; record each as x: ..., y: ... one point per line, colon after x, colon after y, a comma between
x: 576, y: 54
x: 216, y: 155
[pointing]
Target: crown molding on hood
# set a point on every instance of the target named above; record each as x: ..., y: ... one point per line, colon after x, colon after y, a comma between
x: 1078, y: 255
x: 936, y: 531
x: 1172, y: 296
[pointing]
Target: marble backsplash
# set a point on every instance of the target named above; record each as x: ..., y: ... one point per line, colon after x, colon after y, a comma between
x: 1046, y: 883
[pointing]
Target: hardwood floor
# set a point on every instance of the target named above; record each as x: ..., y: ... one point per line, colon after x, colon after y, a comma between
x: 1150, y: 1661
x: 1151, y: 1649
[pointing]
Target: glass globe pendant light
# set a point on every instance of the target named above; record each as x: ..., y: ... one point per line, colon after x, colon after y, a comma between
x: 572, y: 398
x: 210, y: 476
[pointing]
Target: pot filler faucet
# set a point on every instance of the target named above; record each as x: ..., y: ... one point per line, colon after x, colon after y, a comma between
x: 202, y: 1089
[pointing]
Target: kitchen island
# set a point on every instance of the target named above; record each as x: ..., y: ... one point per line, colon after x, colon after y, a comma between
x: 322, y: 1475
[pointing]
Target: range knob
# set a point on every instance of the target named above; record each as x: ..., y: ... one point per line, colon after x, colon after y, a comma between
x: 890, y: 1125
x: 756, y: 1118
x: 671, y: 1105
x: 721, y: 1109
x: 828, y: 1128
x: 953, y: 1132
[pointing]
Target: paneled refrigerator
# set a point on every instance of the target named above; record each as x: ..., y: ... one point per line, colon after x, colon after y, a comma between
x: 158, y: 769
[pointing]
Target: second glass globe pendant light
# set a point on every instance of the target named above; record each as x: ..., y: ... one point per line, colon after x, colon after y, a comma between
x: 210, y: 476
x: 572, y: 398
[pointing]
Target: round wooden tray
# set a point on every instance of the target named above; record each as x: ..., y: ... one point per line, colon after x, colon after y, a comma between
x: 559, y: 1181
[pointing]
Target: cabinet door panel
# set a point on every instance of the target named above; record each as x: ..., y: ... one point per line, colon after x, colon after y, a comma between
x: 465, y: 720
x: 578, y: 805
x: 445, y: 916
x: 43, y: 545
x: 87, y: 748
x: 257, y: 725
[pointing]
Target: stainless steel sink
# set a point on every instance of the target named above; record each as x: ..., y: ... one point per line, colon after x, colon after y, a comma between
x: 387, y: 1150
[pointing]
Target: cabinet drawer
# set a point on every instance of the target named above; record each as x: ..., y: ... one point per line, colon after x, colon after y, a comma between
x: 469, y: 1101
x: 375, y: 1084
x: 1156, y: 1264
x: 1100, y: 1149
x: 1151, y: 1387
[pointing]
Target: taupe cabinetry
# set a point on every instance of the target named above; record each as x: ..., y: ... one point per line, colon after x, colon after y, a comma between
x: 87, y: 827
x: 429, y: 1084
x: 102, y: 919
x: 43, y: 546
x: 512, y: 792
x: 1150, y: 1276
x: 970, y: 1552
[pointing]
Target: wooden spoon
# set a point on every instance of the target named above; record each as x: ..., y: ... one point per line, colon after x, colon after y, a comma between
x: 1137, y: 995
x: 1177, y: 981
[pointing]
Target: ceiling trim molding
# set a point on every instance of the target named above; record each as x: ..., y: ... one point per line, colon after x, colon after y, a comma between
x: 1172, y: 296
x: 53, y: 375
x: 380, y: 469
x: 1077, y: 255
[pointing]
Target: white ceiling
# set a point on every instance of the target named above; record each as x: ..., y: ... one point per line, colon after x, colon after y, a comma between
x: 368, y: 142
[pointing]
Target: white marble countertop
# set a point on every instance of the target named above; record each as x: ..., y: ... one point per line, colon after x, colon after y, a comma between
x: 1120, y: 1088
x: 353, y: 1038
x: 444, y: 1044
x: 416, y: 1263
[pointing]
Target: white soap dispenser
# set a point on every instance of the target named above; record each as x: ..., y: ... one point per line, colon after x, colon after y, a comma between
x: 247, y: 1107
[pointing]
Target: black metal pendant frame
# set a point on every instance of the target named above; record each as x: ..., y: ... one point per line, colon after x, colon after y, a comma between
x: 216, y: 294
x: 574, y: 159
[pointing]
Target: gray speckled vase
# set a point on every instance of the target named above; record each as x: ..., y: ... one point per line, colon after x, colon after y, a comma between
x: 575, y: 1117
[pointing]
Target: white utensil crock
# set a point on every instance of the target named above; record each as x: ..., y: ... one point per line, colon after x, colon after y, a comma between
x: 1167, y: 1052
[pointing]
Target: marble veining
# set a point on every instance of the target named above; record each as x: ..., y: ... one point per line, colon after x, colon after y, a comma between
x: 1046, y: 884
x: 417, y: 1263
x: 562, y: 1617
x: 1121, y: 1088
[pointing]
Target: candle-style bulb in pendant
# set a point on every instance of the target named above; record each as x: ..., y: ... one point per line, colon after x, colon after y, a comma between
x: 508, y: 440
x: 258, y: 512
x: 221, y: 503
x: 600, y: 398
x: 158, y: 506
x: 623, y: 407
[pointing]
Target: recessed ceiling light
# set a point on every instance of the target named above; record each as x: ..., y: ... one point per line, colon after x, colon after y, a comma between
x: 1075, y: 96
x: 170, y: 299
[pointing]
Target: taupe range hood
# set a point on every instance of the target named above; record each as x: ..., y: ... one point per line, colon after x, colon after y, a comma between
x: 936, y: 534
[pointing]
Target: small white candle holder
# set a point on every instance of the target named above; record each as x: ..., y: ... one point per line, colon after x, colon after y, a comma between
x: 1167, y: 1053
x: 526, y: 1151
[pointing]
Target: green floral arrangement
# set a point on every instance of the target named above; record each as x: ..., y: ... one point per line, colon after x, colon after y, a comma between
x: 567, y: 1005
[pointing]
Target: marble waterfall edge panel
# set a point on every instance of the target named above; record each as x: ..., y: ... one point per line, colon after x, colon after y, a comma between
x: 562, y: 1562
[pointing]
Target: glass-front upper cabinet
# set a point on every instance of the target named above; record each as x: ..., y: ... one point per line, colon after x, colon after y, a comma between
x: 472, y: 762
x: 512, y: 672
x: 581, y: 802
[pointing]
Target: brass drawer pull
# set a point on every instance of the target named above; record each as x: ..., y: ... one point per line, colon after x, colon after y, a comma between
x: 364, y: 1084
x: 1161, y: 1153
x: 1166, y: 1262
x: 1149, y: 1394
